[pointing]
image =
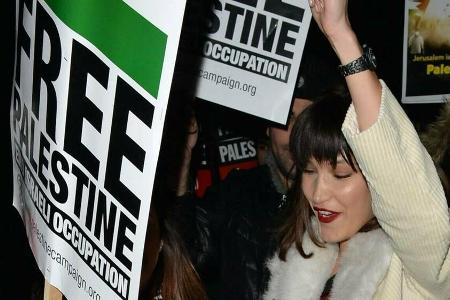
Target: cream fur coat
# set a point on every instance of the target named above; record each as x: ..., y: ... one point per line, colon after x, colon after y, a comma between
x: 361, y: 270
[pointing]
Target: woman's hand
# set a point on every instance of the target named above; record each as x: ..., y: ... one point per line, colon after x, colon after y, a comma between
x: 331, y: 16
x: 183, y: 175
x: 192, y: 134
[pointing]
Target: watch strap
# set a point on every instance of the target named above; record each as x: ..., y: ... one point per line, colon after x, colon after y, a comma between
x: 360, y: 64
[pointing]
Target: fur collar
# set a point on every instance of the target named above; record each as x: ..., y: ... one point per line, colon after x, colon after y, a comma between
x: 363, y: 266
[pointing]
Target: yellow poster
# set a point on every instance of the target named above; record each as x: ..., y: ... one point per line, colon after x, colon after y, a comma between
x: 426, y: 51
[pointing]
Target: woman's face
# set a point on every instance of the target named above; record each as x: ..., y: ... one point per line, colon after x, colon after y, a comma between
x: 339, y: 197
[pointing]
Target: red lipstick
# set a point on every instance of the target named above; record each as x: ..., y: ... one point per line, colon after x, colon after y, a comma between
x: 325, y: 215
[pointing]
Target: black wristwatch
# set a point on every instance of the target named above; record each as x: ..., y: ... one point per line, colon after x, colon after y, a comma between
x: 366, y: 62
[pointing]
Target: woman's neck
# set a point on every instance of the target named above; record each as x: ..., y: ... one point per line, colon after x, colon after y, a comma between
x: 342, y: 248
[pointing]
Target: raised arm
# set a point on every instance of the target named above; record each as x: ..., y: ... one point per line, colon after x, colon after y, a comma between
x: 365, y: 88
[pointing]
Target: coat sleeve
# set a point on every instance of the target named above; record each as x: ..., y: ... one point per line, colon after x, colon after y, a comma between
x: 407, y: 196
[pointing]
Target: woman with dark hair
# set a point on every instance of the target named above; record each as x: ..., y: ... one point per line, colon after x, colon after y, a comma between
x: 369, y: 217
x: 167, y: 271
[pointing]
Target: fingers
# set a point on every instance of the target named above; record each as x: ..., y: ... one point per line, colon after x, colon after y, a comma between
x: 192, y: 134
x: 193, y: 126
x: 317, y: 6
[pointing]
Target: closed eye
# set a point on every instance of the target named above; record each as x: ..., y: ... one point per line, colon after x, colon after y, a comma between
x: 342, y: 176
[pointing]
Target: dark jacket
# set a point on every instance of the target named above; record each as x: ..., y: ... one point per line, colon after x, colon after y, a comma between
x: 230, y: 233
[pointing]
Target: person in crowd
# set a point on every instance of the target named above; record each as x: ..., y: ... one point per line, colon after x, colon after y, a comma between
x: 167, y: 271
x: 369, y: 218
x: 262, y: 145
x: 436, y: 139
x: 230, y: 231
x: 416, y: 43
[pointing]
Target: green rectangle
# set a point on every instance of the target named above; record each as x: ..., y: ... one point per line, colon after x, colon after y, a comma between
x: 129, y: 40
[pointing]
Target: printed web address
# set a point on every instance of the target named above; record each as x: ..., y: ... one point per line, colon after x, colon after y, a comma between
x: 71, y: 270
x: 228, y: 81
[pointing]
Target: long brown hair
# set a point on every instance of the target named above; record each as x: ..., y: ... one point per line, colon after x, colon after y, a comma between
x: 174, y: 276
x: 315, y: 134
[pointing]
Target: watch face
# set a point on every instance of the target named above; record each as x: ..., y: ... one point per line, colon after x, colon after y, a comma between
x: 370, y: 56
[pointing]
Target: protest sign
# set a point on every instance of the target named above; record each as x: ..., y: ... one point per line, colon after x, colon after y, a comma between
x: 252, y: 54
x: 89, y: 98
x: 230, y: 150
x: 426, y: 52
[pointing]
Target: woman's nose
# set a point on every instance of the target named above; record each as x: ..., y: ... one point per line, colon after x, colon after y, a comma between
x: 321, y: 190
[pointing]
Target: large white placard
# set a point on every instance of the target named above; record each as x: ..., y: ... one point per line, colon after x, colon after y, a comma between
x: 91, y: 86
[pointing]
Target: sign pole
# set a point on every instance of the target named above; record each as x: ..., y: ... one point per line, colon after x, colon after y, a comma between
x: 51, y: 293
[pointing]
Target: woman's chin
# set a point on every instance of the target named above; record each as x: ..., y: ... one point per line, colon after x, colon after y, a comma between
x: 330, y: 236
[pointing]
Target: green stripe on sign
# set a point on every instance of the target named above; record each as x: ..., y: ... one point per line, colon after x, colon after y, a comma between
x: 133, y: 43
